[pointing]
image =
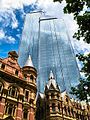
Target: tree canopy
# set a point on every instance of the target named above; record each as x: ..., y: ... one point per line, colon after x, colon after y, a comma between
x: 82, y: 91
x: 81, y: 12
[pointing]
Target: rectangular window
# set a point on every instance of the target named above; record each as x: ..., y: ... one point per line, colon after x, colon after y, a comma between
x: 26, y: 95
x: 10, y: 109
x: 16, y: 73
x: 3, y: 66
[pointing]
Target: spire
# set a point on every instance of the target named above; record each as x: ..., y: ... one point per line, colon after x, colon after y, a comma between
x: 51, y: 76
x: 29, y: 62
x: 52, y: 81
x: 52, y: 84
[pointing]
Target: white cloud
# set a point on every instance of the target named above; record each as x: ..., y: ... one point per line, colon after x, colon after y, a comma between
x: 7, y: 4
x: 7, y: 39
x: 14, y: 21
x: 7, y: 18
x: 15, y: 24
x: 2, y: 34
x: 10, y: 39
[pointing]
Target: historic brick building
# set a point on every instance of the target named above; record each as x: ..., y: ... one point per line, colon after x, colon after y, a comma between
x: 18, y: 95
x: 17, y: 89
x: 54, y: 105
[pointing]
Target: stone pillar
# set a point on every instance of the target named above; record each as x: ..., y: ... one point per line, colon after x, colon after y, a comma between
x: 19, y: 112
x: 2, y: 106
x: 31, y: 114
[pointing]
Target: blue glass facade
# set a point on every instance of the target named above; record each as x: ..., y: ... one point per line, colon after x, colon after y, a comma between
x: 47, y: 41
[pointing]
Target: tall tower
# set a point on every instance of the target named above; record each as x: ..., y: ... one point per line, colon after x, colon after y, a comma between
x: 47, y: 40
x: 30, y: 73
x: 53, y: 99
x: 17, y: 89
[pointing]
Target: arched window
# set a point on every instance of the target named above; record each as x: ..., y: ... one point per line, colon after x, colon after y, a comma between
x: 13, y: 92
x: 25, y: 114
x: 1, y: 87
x: 53, y: 107
x: 31, y: 77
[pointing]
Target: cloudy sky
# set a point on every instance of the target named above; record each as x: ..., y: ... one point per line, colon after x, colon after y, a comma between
x: 12, y: 15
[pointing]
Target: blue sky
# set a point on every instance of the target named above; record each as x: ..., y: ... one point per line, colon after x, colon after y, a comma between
x: 11, y: 26
x: 12, y: 15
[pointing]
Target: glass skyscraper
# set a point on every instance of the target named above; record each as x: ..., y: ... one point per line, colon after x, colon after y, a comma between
x: 46, y: 39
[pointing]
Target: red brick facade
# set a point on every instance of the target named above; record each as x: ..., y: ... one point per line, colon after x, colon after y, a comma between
x: 17, y: 89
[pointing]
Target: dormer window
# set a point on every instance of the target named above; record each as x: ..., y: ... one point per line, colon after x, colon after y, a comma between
x: 16, y: 72
x: 2, y: 66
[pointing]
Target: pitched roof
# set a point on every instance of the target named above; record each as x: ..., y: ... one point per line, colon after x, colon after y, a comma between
x: 52, y: 84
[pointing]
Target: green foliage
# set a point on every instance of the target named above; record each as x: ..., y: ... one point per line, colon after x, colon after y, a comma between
x: 82, y: 91
x: 74, y: 6
x: 84, y: 30
x: 83, y: 21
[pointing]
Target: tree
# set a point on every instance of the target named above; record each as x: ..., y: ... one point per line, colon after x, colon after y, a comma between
x: 82, y: 91
x: 83, y: 20
x: 82, y: 16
